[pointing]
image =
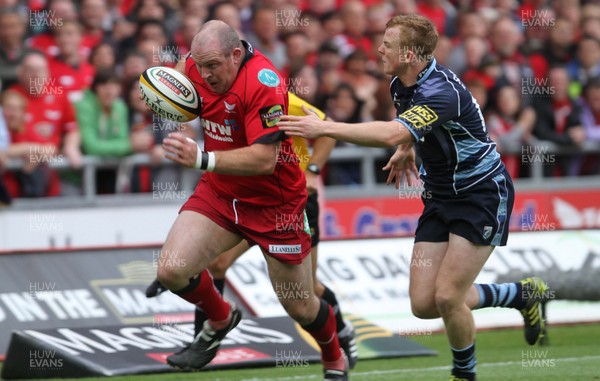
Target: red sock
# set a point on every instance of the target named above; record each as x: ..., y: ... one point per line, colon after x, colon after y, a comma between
x: 323, y: 329
x: 202, y: 292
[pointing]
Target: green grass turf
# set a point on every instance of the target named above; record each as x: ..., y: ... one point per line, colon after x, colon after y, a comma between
x: 573, y: 355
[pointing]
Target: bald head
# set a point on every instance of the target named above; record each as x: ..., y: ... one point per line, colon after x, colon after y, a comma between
x: 216, y: 35
x: 218, y: 53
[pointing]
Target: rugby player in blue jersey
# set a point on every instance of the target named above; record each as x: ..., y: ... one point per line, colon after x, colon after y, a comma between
x: 468, y: 195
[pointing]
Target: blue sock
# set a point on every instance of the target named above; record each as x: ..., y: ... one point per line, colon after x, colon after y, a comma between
x: 501, y: 295
x: 463, y: 362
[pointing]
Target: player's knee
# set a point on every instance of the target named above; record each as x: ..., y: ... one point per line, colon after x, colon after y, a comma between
x: 446, y: 300
x: 424, y: 309
x: 170, y: 276
x: 299, y: 310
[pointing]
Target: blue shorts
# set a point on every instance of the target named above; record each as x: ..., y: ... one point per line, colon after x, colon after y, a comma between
x: 481, y: 214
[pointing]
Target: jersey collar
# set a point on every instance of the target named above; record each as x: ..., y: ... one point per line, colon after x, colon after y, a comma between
x: 248, y: 52
x: 424, y: 74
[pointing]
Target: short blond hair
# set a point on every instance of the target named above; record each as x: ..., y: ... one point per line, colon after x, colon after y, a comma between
x: 415, y: 30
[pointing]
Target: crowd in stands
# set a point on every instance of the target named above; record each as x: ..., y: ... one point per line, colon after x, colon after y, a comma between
x: 69, y: 71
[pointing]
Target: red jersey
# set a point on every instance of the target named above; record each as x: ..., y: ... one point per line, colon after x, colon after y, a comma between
x: 72, y: 80
x: 47, y: 117
x: 246, y: 114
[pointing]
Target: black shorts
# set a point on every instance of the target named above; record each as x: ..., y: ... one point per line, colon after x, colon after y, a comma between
x: 481, y: 214
x: 312, y: 214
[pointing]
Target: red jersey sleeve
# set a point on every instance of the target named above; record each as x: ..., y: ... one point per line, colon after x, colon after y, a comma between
x: 267, y: 103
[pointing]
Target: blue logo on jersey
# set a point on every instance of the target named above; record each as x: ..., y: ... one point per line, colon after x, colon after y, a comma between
x: 232, y: 123
x: 268, y: 78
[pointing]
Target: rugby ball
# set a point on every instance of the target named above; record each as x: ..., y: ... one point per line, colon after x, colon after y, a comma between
x: 170, y: 94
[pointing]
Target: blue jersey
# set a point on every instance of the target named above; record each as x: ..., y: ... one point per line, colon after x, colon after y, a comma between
x: 449, y: 131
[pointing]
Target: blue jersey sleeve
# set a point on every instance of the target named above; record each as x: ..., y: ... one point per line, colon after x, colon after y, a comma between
x: 430, y: 111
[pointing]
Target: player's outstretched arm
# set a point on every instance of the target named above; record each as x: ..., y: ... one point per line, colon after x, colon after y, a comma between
x: 257, y: 159
x: 371, y: 134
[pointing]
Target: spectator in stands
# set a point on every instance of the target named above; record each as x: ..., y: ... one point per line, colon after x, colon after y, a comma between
x: 103, y: 57
x: 513, y: 66
x: 558, y: 50
x: 332, y: 25
x: 328, y: 69
x: 227, y: 12
x: 155, y: 10
x: 536, y: 28
x: 12, y: 120
x: 510, y: 125
x: 320, y: 7
x: 198, y: 8
x: 590, y: 116
x: 385, y: 107
x: 590, y: 9
x: 94, y: 19
x: 344, y: 106
x: 355, y: 73
x: 486, y: 73
x: 590, y: 20
x: 4, y: 139
x: 377, y: 16
x: 142, y: 125
x: 56, y: 13
x: 479, y: 91
x: 246, y: 8
x: 470, y: 25
x: 568, y: 9
x: 590, y: 26
x: 475, y: 50
x: 102, y: 117
x: 152, y: 39
x: 190, y: 25
x: 443, y: 50
x: 12, y: 48
x: 507, y: 8
x: 354, y: 16
x: 405, y: 7
x: 5, y: 198
x: 264, y: 36
x: 303, y: 82
x: 586, y: 65
x: 68, y: 67
x: 314, y: 31
x: 121, y: 36
x: 297, y: 53
x: 441, y: 13
x: 134, y: 64
x: 49, y: 120
x: 558, y: 121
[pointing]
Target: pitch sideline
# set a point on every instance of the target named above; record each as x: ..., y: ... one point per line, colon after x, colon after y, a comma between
x: 410, y: 370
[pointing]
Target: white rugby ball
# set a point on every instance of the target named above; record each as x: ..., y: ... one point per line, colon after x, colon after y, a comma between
x: 170, y: 94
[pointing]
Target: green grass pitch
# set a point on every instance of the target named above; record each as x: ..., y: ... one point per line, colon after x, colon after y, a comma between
x: 573, y: 355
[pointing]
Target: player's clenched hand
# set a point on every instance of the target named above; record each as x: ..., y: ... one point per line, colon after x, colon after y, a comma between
x: 308, y: 126
x: 402, y: 165
x: 180, y: 149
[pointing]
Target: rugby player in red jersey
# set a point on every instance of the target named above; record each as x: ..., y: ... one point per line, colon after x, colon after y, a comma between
x: 249, y: 186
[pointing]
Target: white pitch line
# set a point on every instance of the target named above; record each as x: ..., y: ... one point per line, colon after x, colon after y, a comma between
x: 411, y: 370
